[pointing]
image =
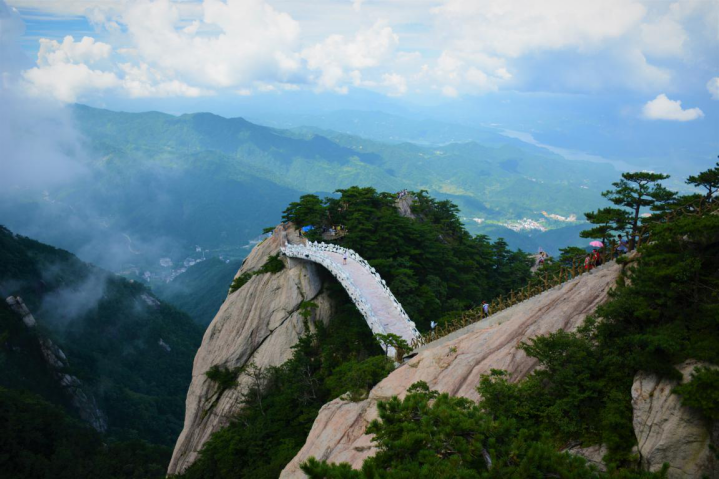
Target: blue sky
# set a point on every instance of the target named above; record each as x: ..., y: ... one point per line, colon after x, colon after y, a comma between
x: 606, y: 78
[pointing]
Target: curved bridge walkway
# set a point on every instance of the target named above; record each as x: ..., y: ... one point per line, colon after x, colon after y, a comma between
x: 369, y: 292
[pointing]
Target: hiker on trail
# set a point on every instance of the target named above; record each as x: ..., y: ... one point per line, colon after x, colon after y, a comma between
x: 432, y: 326
x: 485, y: 308
x: 597, y: 258
x: 623, y: 246
x: 344, y: 258
x: 542, y: 257
x: 588, y: 263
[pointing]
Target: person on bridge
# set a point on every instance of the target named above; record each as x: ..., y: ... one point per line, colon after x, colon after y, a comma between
x: 344, y: 258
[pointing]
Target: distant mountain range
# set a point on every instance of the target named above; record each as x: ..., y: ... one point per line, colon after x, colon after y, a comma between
x: 158, y: 185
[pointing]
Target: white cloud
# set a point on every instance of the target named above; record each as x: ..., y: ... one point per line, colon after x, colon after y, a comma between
x: 334, y: 55
x: 713, y: 87
x: 665, y: 37
x: 143, y: 81
x: 662, y: 108
x: 357, y: 5
x: 68, y: 81
x: 512, y: 29
x: 236, y: 43
x: 86, y: 50
x: 199, y: 47
x: 450, y: 91
x: 396, y: 83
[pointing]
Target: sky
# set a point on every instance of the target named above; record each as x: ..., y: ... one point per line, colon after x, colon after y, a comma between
x: 577, y: 74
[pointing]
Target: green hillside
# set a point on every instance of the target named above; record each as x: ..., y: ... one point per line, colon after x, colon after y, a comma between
x: 201, y: 290
x: 39, y: 440
x: 511, y: 179
x: 132, y: 352
x: 157, y: 185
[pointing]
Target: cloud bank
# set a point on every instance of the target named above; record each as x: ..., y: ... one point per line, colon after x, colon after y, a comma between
x: 662, y: 108
x: 159, y: 48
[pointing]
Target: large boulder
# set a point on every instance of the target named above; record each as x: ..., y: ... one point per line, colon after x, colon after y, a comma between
x: 668, y: 432
x: 257, y: 324
x: 455, y: 363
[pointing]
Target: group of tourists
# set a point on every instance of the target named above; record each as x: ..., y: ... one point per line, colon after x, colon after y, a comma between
x: 593, y: 259
x: 402, y: 194
x: 596, y: 258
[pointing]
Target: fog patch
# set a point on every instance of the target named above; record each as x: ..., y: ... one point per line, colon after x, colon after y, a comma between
x: 69, y: 303
x: 40, y: 146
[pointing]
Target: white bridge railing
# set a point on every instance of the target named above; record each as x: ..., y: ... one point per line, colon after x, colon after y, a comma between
x: 316, y: 252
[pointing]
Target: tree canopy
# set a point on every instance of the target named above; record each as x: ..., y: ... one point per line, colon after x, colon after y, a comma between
x: 636, y: 191
x: 430, y: 262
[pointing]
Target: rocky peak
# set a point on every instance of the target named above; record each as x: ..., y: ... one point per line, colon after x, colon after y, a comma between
x: 257, y: 324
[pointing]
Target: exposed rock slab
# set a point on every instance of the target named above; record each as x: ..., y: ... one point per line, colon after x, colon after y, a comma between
x: 669, y: 432
x: 259, y: 323
x: 455, y: 363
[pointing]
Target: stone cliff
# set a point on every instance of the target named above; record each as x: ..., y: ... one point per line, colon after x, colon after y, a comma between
x: 257, y: 324
x: 57, y: 363
x: 455, y: 363
x: 668, y: 432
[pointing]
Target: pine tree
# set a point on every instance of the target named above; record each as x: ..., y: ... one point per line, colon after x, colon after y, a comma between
x: 708, y: 180
x: 607, y: 221
x: 636, y: 191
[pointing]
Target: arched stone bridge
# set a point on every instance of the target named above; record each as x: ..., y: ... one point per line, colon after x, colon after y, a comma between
x: 369, y: 292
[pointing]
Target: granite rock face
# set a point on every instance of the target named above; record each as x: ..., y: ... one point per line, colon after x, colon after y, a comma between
x: 668, y: 432
x: 404, y: 205
x: 257, y: 324
x: 455, y: 363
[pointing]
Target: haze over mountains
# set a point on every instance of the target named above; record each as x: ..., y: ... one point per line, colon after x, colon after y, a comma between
x: 158, y: 186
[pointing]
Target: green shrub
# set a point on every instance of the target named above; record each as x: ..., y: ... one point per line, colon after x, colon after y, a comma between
x: 240, y: 281
x: 432, y: 435
x: 273, y: 265
x: 702, y: 392
x: 224, y: 377
x: 358, y: 377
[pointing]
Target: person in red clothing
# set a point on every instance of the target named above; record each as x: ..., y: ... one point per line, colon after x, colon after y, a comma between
x: 597, y: 258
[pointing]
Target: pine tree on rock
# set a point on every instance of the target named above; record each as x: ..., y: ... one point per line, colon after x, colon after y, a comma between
x: 708, y: 180
x: 607, y: 221
x: 636, y: 191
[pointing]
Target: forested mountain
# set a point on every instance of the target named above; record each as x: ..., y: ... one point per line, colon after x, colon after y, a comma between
x: 131, y: 352
x: 201, y: 290
x: 155, y: 185
x: 434, y: 267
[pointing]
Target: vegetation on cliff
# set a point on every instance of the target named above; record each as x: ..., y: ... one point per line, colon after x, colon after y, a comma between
x: 40, y: 440
x: 661, y: 313
x: 431, y: 263
x: 433, y: 266
x: 283, y: 402
x: 132, y: 352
